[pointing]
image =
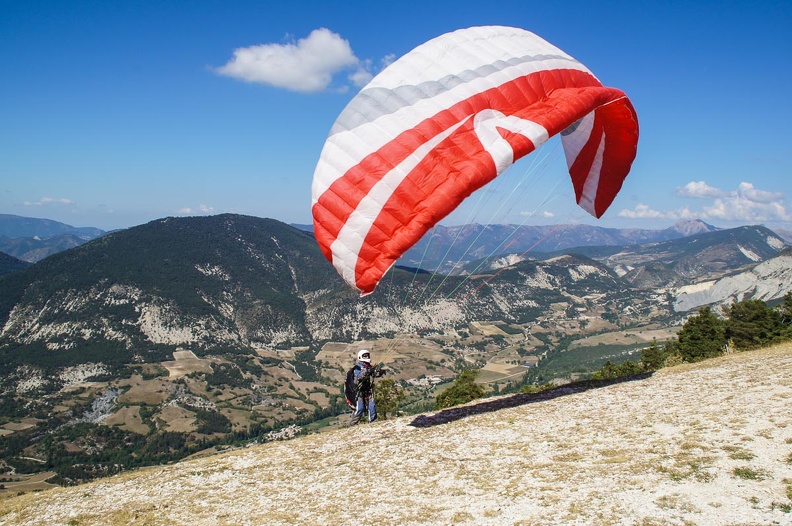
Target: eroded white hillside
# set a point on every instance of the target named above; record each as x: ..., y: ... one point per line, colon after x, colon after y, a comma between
x: 769, y: 280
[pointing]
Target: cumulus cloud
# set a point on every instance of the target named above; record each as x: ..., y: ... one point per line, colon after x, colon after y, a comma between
x: 760, y: 196
x: 362, y: 75
x: 49, y: 201
x: 749, y: 204
x: 745, y: 204
x: 307, y: 65
x: 699, y: 189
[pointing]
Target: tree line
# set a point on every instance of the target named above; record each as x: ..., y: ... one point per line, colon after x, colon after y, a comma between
x: 744, y: 325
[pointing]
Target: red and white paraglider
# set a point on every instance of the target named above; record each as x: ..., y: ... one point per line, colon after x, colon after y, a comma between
x: 444, y: 120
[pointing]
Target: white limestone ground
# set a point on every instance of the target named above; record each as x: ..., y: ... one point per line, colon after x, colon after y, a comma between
x: 705, y: 444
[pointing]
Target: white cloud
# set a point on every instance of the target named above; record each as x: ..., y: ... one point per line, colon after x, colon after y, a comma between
x: 760, y: 196
x: 49, y: 201
x: 746, y: 204
x: 387, y: 60
x: 362, y: 75
x: 699, y: 189
x: 642, y: 211
x: 200, y: 209
x: 305, y: 66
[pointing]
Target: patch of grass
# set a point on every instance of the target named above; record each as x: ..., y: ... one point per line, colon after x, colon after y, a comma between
x: 688, y: 466
x: 783, y: 506
x: 461, y: 516
x: 569, y: 456
x: 738, y: 453
x: 786, y: 507
x: 748, y: 473
x: 676, y: 502
x: 615, y: 456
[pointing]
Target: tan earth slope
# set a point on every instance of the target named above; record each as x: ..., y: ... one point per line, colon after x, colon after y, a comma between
x: 705, y: 444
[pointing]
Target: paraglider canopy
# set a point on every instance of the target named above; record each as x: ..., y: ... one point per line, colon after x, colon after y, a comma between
x: 444, y: 120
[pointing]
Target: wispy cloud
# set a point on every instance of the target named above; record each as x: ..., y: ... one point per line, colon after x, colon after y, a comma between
x: 746, y: 204
x: 200, y: 209
x: 642, y: 211
x: 307, y: 65
x: 44, y: 201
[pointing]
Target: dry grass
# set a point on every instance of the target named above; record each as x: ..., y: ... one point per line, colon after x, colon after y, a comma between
x: 707, y: 443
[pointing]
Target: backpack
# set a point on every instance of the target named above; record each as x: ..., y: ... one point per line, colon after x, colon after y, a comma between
x: 350, y: 389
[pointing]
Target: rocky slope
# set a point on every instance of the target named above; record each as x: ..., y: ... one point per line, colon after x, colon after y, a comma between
x: 709, y: 443
x: 766, y: 281
x: 248, y: 284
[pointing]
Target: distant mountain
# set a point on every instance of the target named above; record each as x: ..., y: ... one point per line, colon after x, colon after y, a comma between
x: 10, y: 264
x: 33, y: 249
x: 445, y: 249
x: 786, y: 234
x: 691, y: 258
x: 13, y: 226
x: 691, y: 227
x: 31, y: 239
x: 671, y: 263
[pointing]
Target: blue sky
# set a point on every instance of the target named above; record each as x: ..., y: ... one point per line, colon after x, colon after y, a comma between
x: 115, y: 113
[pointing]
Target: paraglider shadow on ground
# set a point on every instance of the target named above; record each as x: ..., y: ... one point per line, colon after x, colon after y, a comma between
x: 457, y: 413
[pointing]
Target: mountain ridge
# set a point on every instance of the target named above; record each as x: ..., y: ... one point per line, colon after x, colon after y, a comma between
x: 445, y: 249
x: 32, y: 239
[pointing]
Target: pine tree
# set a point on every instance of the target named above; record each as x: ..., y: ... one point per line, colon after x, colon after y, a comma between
x: 702, y: 336
x: 786, y: 311
x: 751, y: 324
x: 654, y: 356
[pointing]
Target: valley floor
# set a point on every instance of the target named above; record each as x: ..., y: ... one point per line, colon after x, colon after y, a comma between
x: 705, y: 444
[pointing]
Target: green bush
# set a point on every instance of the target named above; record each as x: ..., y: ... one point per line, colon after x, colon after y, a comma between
x: 463, y: 390
x: 388, y: 395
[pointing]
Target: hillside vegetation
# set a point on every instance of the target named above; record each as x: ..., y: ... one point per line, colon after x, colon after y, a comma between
x: 705, y: 443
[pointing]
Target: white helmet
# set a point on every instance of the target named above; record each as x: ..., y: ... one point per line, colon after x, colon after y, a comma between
x: 364, y: 356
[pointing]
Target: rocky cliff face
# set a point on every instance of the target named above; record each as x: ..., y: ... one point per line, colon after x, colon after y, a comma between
x: 766, y: 281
